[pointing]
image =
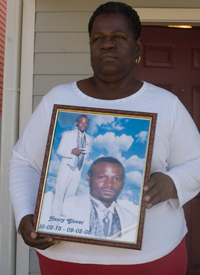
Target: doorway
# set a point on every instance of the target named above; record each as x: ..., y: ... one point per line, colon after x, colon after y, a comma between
x: 171, y: 60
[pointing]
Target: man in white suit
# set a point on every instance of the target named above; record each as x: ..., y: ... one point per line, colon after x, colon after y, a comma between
x: 74, y: 148
x: 97, y: 213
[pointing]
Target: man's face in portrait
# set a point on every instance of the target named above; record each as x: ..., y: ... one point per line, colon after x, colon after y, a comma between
x: 106, y: 182
x: 82, y: 124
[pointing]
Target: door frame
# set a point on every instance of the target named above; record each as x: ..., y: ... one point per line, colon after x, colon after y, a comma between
x: 163, y: 16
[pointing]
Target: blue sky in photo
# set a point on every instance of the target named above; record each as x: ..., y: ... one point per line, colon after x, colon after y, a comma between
x: 124, y: 138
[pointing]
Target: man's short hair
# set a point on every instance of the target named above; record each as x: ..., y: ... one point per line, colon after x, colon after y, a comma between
x: 82, y: 116
x: 118, y: 8
x: 105, y: 159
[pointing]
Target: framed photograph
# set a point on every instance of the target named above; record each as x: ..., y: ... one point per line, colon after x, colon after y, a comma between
x: 96, y: 164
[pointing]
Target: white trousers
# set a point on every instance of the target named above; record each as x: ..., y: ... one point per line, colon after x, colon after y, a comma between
x: 67, y: 183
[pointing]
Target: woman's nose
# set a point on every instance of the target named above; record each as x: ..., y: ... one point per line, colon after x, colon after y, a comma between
x: 108, y: 42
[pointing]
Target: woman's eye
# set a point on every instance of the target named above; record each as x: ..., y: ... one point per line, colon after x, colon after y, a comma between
x: 119, y: 37
x: 97, y: 38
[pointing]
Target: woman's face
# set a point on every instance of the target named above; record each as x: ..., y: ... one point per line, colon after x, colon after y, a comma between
x: 113, y: 47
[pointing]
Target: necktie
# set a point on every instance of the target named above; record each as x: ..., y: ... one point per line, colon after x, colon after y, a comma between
x: 106, y: 224
x: 100, y: 231
x: 115, y: 230
x: 81, y: 144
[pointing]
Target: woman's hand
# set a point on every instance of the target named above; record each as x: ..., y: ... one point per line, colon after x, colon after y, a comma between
x: 159, y: 188
x: 30, y: 236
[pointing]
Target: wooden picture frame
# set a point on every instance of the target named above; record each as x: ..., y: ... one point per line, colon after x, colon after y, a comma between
x: 70, y: 203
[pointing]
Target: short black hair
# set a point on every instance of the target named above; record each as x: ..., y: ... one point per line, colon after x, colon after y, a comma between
x: 118, y: 8
x: 105, y: 159
x: 82, y: 116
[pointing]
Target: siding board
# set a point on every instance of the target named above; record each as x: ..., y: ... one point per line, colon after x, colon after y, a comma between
x: 3, y: 5
x: 61, y: 45
x: 2, y: 44
x: 88, y: 5
x: 44, y: 83
x: 67, y: 5
x: 62, y: 42
x: 62, y: 21
x: 2, y: 26
x: 62, y: 63
x: 1, y: 57
x: 3, y: 8
x: 2, y: 34
x: 3, y: 17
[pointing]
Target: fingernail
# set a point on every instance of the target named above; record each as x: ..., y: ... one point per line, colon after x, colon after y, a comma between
x: 147, y: 198
x: 50, y: 240
x: 56, y: 242
x: 33, y: 235
x: 149, y: 205
x: 146, y: 188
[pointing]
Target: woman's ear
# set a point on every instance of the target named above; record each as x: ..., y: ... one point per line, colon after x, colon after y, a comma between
x: 139, y: 45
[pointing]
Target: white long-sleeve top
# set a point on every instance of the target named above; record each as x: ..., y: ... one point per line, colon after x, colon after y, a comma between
x: 176, y: 153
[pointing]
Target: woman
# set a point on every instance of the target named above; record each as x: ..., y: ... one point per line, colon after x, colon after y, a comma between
x: 115, y: 45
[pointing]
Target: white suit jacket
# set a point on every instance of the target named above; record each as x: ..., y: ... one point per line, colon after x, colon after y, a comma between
x: 68, y: 142
x: 77, y: 209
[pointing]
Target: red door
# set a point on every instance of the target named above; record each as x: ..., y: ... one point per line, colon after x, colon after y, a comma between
x: 171, y: 59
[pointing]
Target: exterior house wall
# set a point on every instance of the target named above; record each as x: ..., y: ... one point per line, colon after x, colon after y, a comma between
x: 62, y: 43
x: 61, y: 51
x: 3, y: 5
x: 9, y: 132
